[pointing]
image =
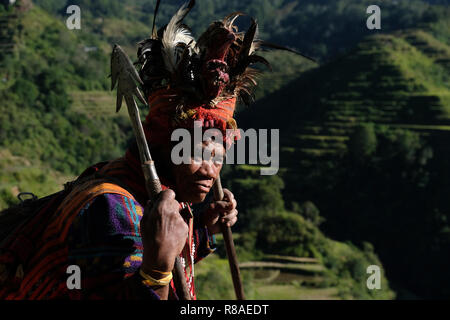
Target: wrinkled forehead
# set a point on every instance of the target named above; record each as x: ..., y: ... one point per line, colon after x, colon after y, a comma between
x: 211, y: 145
x: 210, y: 138
x: 199, y: 147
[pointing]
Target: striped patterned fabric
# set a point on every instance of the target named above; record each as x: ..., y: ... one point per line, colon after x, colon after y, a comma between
x: 96, y: 228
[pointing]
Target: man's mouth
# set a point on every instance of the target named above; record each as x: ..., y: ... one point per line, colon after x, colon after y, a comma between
x: 202, y: 186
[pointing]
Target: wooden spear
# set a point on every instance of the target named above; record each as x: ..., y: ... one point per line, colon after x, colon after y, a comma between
x: 229, y: 246
x: 124, y: 73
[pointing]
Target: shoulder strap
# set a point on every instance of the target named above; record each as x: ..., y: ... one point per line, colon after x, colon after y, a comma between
x: 81, y: 195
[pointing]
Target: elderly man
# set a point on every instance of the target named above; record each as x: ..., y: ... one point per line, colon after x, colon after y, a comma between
x: 105, y: 231
x: 123, y: 245
x: 109, y: 240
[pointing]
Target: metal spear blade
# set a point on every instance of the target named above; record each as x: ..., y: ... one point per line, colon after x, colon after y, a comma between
x: 125, y: 76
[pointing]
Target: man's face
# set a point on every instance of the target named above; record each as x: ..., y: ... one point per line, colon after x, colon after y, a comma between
x: 195, y: 180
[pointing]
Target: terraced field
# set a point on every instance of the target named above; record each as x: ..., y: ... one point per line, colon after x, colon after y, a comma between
x: 404, y: 101
x: 283, y: 292
x: 289, y: 278
x: 276, y: 278
x: 400, y: 80
x: 7, y: 33
x: 96, y: 104
x: 18, y: 174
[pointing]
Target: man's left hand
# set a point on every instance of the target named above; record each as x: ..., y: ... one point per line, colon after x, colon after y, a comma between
x: 221, y: 212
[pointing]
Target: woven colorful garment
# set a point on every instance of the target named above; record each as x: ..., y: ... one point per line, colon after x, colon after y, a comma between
x: 97, y: 229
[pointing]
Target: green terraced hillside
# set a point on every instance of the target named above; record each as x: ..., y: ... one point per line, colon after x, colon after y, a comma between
x: 7, y: 33
x: 401, y: 80
x: 396, y: 198
x: 19, y: 174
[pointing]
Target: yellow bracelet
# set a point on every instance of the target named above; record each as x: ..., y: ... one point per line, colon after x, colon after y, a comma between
x: 163, y: 273
x: 150, y: 281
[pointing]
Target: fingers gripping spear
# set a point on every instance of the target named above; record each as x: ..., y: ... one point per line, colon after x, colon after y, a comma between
x: 125, y: 76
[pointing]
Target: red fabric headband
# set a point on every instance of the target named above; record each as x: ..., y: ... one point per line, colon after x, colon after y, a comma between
x: 168, y: 112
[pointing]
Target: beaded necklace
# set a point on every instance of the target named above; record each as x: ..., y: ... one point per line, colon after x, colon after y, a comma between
x: 188, y: 253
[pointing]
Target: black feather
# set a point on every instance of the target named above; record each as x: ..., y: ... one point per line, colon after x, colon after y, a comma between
x: 258, y: 59
x: 278, y: 47
x: 248, y: 39
x: 158, y: 2
x: 243, y: 61
x: 246, y: 97
x: 189, y: 8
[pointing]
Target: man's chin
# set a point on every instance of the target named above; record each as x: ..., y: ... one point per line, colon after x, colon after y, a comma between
x: 198, y: 197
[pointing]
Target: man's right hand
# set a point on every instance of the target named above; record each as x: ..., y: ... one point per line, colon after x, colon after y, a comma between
x: 164, y: 233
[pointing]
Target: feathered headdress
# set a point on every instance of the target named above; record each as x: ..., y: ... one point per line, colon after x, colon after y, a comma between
x: 199, y: 80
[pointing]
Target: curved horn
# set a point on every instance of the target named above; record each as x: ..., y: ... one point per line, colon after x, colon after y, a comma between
x: 229, y: 19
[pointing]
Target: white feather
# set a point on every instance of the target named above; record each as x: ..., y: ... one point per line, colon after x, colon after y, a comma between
x: 173, y: 36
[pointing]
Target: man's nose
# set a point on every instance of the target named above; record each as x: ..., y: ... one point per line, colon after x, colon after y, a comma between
x: 208, y: 169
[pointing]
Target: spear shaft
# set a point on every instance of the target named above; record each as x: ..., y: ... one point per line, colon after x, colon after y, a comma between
x: 123, y: 73
x: 153, y: 186
x: 229, y: 246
